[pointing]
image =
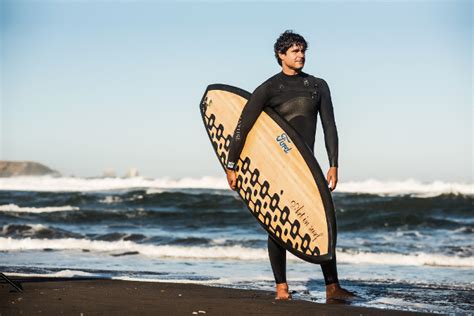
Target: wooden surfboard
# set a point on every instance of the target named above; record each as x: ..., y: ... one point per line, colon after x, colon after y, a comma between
x: 278, y: 176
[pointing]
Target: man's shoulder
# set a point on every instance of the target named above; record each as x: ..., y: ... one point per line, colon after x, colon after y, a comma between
x: 316, y: 79
x: 271, y: 80
x: 267, y: 83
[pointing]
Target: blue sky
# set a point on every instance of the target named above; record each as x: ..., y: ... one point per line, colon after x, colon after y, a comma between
x: 89, y: 85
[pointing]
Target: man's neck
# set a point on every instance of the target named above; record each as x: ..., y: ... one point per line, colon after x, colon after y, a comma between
x: 290, y: 72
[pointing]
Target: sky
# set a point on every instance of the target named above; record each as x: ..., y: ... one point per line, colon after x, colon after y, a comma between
x: 93, y: 85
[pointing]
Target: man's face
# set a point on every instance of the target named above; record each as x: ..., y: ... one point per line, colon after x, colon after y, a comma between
x: 293, y: 58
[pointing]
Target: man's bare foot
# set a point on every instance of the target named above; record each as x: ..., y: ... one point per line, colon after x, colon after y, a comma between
x: 336, y: 292
x: 282, y: 292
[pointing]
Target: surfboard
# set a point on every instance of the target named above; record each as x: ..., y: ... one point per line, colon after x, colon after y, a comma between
x: 278, y: 177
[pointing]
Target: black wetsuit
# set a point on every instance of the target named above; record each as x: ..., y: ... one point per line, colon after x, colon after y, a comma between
x: 298, y: 99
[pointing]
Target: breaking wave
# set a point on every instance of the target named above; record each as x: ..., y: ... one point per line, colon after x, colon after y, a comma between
x: 370, y: 186
x: 236, y: 252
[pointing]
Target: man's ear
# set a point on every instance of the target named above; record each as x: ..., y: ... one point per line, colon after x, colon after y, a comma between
x: 281, y: 55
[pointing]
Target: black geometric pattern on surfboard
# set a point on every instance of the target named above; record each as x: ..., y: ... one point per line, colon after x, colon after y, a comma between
x: 256, y: 192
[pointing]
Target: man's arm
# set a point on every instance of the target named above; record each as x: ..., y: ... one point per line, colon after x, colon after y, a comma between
x: 249, y: 115
x: 331, y: 140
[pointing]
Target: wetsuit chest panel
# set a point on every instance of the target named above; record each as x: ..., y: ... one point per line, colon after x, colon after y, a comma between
x: 301, y: 113
x: 280, y: 93
x: 297, y: 102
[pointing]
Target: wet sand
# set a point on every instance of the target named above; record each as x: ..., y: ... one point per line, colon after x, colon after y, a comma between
x: 73, y: 296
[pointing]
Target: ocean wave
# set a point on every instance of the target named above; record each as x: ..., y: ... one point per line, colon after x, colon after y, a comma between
x: 62, y: 184
x: 225, y: 252
x: 110, y: 199
x: 125, y: 276
x: 36, y: 231
x: 406, y: 187
x: 464, y: 230
x: 49, y: 209
x: 415, y: 259
x: 32, y: 228
x: 157, y: 185
x: 67, y: 273
x: 161, y: 251
x: 180, y: 210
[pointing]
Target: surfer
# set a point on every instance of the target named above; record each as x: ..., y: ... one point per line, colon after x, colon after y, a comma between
x: 298, y: 97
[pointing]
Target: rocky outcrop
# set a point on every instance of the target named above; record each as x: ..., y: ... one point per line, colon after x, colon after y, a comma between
x: 24, y: 168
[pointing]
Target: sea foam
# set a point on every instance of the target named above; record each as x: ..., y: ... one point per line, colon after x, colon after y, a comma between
x: 157, y: 185
x: 68, y: 184
x: 17, y: 209
x: 236, y: 252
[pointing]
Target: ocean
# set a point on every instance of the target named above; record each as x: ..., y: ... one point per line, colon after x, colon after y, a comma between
x: 404, y: 245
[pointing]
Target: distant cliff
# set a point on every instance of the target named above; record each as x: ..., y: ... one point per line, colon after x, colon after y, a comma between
x: 24, y: 168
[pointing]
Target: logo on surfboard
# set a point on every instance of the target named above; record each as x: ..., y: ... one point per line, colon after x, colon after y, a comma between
x: 284, y: 141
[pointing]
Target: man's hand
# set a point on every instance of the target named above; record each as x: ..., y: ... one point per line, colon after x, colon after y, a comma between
x: 332, y: 178
x: 231, y: 178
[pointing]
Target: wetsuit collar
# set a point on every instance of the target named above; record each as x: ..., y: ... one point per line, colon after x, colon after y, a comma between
x: 298, y: 75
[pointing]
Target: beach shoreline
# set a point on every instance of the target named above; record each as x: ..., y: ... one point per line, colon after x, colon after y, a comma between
x: 86, y: 296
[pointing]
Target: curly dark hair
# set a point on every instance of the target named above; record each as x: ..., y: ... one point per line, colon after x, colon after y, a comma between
x: 285, y: 41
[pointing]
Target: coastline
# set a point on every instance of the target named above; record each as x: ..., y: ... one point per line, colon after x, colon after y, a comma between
x: 84, y: 296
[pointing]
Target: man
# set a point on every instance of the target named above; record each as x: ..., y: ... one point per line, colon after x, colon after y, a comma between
x: 297, y: 97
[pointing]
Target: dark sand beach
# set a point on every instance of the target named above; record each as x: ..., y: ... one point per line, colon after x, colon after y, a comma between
x: 56, y: 296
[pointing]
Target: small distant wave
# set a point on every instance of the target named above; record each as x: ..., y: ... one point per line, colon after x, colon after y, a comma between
x: 68, y: 184
x: 406, y: 187
x: 237, y: 252
x: 36, y: 231
x: 111, y: 199
x: 32, y: 228
x: 121, y: 275
x: 161, y: 251
x: 415, y: 259
x: 158, y: 185
x: 50, y: 209
x: 464, y: 230
x: 67, y: 273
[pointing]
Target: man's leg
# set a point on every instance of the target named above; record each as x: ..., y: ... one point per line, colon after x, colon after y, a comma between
x: 333, y: 289
x: 330, y: 271
x: 277, y: 256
